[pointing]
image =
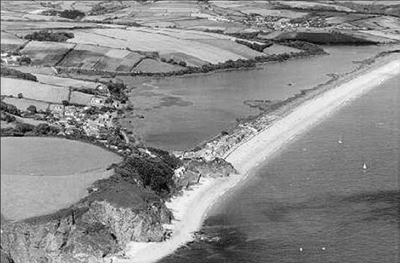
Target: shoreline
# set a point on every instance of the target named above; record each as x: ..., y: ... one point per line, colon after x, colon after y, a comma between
x: 247, y: 155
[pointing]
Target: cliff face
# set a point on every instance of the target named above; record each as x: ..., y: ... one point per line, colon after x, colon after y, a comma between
x: 125, y: 207
x: 84, y: 234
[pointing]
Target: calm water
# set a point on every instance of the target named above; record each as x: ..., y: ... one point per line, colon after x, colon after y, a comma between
x: 314, y: 195
x: 181, y: 112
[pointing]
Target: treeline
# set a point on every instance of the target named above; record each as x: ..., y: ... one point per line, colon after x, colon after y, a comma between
x: 45, y: 35
x: 9, y: 108
x: 24, y: 129
x: 254, y: 45
x: 331, y: 38
x: 13, y: 73
x: 308, y: 48
x: 71, y: 14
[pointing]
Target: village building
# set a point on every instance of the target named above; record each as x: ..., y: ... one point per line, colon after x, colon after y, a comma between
x: 57, y: 110
x: 97, y: 101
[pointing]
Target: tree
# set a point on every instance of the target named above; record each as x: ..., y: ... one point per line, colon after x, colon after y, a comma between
x: 65, y: 103
x: 20, y: 96
x: 32, y: 109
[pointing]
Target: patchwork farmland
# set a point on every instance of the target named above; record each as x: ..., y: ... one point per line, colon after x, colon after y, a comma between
x: 91, y: 57
x: 46, y: 53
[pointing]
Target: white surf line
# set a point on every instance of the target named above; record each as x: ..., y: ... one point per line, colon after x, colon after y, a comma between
x: 191, y: 208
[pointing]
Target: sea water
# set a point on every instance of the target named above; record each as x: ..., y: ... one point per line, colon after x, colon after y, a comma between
x: 314, y: 201
x: 181, y: 112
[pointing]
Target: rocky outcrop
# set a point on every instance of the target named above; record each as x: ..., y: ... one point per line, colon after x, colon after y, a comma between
x: 123, y: 208
x: 195, y: 168
x: 85, y: 233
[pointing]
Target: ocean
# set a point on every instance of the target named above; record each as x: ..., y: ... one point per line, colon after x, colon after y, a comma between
x: 315, y: 201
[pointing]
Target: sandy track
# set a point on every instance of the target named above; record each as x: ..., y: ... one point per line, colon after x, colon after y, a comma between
x: 191, y: 208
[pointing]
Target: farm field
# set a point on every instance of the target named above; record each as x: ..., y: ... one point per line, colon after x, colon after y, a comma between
x: 150, y: 65
x: 46, y: 53
x: 42, y: 175
x: 190, y: 60
x: 276, y: 49
x: 33, y: 90
x: 23, y: 104
x: 314, y: 6
x: 65, y: 82
x: 80, y: 98
x: 101, y: 58
x: 151, y: 40
x: 232, y: 46
x: 10, y: 42
x: 22, y: 26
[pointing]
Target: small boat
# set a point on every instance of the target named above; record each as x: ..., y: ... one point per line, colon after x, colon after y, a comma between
x: 340, y: 142
x: 365, y: 166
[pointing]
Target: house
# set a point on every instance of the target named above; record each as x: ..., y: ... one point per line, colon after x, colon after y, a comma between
x: 57, y: 110
x: 102, y: 89
x: 116, y: 104
x: 97, y: 101
x: 70, y: 111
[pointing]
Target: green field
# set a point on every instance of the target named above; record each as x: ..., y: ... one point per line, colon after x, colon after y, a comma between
x: 41, y: 175
x: 33, y: 90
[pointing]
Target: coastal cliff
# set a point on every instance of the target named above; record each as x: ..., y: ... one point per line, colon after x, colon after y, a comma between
x: 128, y: 206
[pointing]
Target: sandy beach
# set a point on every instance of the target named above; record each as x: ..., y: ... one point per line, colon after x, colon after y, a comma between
x: 191, y: 208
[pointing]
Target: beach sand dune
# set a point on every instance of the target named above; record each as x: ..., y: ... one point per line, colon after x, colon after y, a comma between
x: 191, y: 208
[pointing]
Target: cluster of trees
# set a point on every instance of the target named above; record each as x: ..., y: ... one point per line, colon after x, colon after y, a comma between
x: 71, y: 14
x: 104, y: 8
x: 117, y: 90
x: 24, y: 129
x: 154, y: 173
x: 334, y: 38
x: 7, y: 118
x: 174, y: 62
x: 45, y: 35
x: 245, y: 35
x: 254, y: 45
x: 13, y: 73
x: 308, y: 48
x: 9, y: 108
